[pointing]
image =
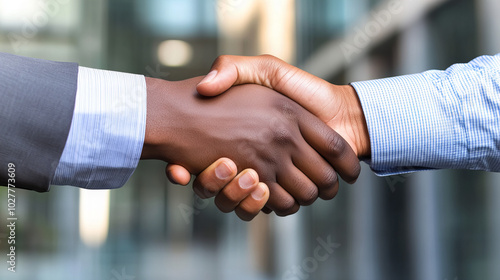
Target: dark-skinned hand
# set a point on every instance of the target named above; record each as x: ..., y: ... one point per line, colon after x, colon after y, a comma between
x: 258, y: 129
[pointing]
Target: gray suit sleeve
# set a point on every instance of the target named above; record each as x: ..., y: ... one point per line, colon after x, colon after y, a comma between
x: 37, y: 100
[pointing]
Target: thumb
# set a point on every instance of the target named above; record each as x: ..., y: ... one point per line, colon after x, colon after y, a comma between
x: 217, y: 82
x: 231, y: 70
x: 221, y: 77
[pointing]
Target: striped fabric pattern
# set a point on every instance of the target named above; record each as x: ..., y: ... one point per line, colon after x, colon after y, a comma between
x: 107, y: 130
x: 436, y: 119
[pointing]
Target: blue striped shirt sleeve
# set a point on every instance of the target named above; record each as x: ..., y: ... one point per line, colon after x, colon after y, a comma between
x: 436, y: 119
x: 107, y: 130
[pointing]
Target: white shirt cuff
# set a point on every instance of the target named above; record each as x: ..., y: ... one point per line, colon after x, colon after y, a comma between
x: 107, y: 131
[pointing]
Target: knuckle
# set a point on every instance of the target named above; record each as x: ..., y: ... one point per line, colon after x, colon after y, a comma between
x: 308, y: 200
x: 206, y: 189
x: 310, y: 194
x: 285, y: 207
x: 268, y: 56
x: 272, y: 63
x: 230, y: 197
x: 286, y: 108
x: 282, y: 123
x: 269, y: 60
x: 330, y: 193
x: 244, y: 214
x: 356, y: 170
x: 282, y: 136
x: 247, y: 209
x: 335, y: 144
x: 289, y: 211
x: 221, y: 205
x: 328, y: 180
x: 222, y: 60
x: 351, y: 172
x: 266, y: 210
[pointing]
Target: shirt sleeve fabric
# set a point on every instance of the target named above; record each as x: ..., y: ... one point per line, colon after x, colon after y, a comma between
x: 107, y: 131
x: 436, y: 119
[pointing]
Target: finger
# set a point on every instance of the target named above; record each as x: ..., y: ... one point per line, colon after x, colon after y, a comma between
x: 218, y: 81
x: 280, y: 201
x: 213, y: 179
x: 298, y: 185
x: 237, y: 190
x: 252, y: 204
x: 329, y: 193
x: 266, y: 210
x: 331, y: 146
x: 306, y: 89
x: 317, y: 170
x: 177, y: 174
x: 230, y: 70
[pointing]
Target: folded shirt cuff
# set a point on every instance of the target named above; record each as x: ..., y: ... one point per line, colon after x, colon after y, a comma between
x: 107, y: 131
x: 413, y: 125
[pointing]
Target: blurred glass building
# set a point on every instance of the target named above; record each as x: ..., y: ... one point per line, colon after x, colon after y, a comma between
x: 427, y: 226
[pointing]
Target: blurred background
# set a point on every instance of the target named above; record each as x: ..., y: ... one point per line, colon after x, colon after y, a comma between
x: 432, y: 225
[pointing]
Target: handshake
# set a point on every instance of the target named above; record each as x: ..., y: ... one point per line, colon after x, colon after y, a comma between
x: 274, y: 139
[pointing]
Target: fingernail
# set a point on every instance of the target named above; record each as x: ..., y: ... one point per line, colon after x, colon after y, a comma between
x: 209, y: 77
x: 222, y: 171
x: 247, y: 180
x: 259, y: 193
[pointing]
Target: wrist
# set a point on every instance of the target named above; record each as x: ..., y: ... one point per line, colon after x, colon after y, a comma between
x: 155, y: 133
x: 357, y: 122
x: 172, y: 119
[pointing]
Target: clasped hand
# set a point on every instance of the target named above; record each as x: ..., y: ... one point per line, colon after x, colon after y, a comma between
x: 268, y: 137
